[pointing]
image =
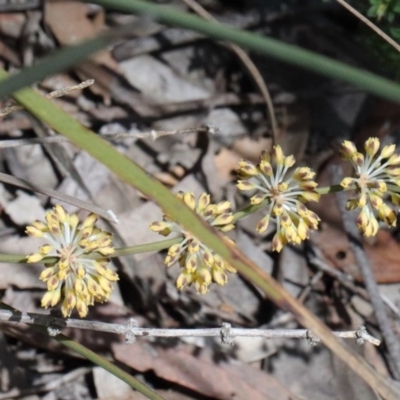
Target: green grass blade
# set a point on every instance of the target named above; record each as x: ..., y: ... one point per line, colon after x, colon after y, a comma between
x: 138, y: 178
x: 267, y: 46
x: 290, y: 54
x: 108, y: 366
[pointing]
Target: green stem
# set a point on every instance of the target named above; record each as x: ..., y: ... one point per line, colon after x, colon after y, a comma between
x: 108, y: 366
x: 66, y: 57
x: 160, y: 245
x: 329, y: 189
x: 94, y: 358
x: 128, y: 171
x: 264, y: 45
x: 253, y: 208
x: 123, y: 251
x: 145, y: 248
x: 244, y: 212
x: 13, y: 258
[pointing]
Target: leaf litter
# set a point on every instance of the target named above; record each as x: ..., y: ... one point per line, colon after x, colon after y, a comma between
x: 168, y: 79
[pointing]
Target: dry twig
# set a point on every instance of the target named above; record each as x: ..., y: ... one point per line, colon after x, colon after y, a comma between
x: 52, y: 95
x: 370, y: 24
x: 131, y: 331
x: 153, y: 135
x: 17, y: 393
x: 106, y: 214
x: 347, y: 282
x: 354, y: 236
x: 342, y: 278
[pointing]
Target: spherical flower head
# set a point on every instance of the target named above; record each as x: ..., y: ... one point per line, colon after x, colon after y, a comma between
x: 283, y: 193
x: 377, y: 174
x: 201, y: 266
x: 80, y: 275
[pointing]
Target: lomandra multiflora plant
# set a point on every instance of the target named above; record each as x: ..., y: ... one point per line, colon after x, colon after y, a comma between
x: 76, y: 255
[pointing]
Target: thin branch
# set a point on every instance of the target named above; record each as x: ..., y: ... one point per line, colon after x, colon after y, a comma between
x: 286, y: 317
x: 347, y: 282
x: 120, y: 252
x: 355, y: 240
x: 248, y: 63
x: 131, y: 330
x: 153, y: 135
x: 370, y: 24
x: 6, y: 144
x: 106, y: 214
x: 329, y: 189
x: 52, y: 95
x: 46, y: 387
x: 146, y: 248
x: 90, y: 355
x: 342, y: 278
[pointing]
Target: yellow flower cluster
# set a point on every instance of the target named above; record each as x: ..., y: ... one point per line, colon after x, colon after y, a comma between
x: 73, y: 278
x: 376, y: 174
x: 76, y: 254
x: 201, y: 266
x: 283, y: 193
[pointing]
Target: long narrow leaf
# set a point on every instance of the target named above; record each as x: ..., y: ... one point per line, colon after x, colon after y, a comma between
x: 138, y: 178
x: 267, y: 46
x: 290, y: 54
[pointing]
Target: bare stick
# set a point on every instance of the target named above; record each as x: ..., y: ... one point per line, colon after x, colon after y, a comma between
x: 46, y: 387
x: 131, y: 330
x: 153, y: 135
x: 342, y: 278
x: 106, y: 214
x: 52, y: 95
x: 370, y: 24
x: 347, y: 282
x: 248, y: 63
x: 5, y: 144
x: 354, y: 236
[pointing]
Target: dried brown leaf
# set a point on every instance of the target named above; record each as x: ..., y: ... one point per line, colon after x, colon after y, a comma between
x: 216, y: 381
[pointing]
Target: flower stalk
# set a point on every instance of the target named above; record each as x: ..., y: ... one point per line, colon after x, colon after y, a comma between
x: 76, y: 256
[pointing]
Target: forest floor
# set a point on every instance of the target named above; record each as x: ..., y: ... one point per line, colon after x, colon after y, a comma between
x: 187, y: 110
